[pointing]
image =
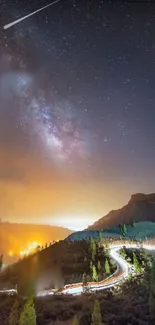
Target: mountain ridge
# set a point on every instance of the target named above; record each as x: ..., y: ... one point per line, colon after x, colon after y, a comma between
x: 141, y: 207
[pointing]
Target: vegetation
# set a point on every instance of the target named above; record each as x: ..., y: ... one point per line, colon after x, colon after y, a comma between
x: 107, y: 267
x: 96, y: 315
x: 101, y: 235
x: 107, y: 247
x: 84, y: 281
x: 138, y: 258
x: 136, y: 263
x: 82, y: 261
x: 59, y: 264
x: 28, y: 315
x: 123, y: 230
x: 75, y: 321
x: 134, y: 231
x: 99, y: 267
x: 94, y: 274
x: 131, y: 303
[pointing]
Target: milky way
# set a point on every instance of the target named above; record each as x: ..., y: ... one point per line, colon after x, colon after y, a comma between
x: 56, y: 123
x: 59, y: 129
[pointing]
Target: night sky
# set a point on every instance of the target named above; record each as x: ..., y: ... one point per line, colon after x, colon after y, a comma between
x: 77, y: 109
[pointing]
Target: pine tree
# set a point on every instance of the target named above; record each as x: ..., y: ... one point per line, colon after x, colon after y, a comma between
x: 107, y: 244
x: 93, y: 250
x: 14, y: 314
x: 75, y: 321
x: 100, y: 236
x: 28, y: 315
x: 136, y: 263
x: 123, y: 230
x: 107, y: 247
x: 84, y: 279
x: 123, y: 252
x: 94, y: 274
x: 96, y: 315
x: 107, y: 267
x: 99, y: 266
x: 130, y: 276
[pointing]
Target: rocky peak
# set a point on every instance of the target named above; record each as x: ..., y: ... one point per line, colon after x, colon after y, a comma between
x: 140, y: 197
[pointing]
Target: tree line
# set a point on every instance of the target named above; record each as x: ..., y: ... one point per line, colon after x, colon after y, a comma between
x: 96, y: 269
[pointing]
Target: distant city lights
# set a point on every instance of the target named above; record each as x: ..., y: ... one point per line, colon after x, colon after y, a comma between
x: 30, y: 249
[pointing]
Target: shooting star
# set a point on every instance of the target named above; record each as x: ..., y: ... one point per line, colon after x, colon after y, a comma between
x: 27, y: 16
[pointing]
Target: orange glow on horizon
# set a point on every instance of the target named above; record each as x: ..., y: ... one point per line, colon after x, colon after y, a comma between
x: 30, y: 249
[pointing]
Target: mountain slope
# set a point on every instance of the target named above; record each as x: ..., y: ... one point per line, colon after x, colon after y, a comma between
x: 140, y: 231
x: 141, y: 207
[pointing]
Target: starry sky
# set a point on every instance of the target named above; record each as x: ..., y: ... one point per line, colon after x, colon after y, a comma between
x: 77, y: 109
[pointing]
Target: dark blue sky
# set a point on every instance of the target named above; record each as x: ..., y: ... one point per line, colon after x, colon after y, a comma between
x: 77, y: 106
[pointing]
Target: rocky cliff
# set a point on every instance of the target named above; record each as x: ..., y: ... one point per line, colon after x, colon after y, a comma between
x: 141, y: 207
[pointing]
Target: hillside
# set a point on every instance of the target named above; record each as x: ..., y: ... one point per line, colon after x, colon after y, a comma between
x: 59, y: 264
x: 141, y: 207
x: 140, y: 231
x: 16, y: 237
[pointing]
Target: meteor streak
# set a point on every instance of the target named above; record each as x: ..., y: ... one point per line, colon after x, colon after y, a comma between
x: 27, y: 16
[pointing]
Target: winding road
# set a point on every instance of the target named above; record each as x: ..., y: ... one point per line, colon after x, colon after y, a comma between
x: 122, y: 272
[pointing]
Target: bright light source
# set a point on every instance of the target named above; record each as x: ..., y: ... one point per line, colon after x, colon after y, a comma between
x: 22, y: 253
x: 30, y: 249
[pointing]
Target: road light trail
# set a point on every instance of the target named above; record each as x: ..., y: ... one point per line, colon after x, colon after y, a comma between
x: 122, y: 272
x: 29, y: 15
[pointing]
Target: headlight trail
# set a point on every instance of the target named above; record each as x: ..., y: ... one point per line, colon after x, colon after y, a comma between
x: 122, y: 272
x: 29, y: 15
